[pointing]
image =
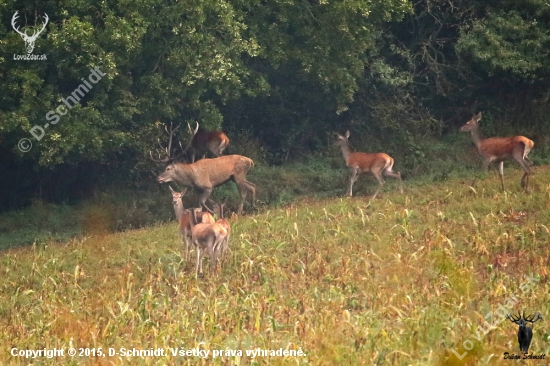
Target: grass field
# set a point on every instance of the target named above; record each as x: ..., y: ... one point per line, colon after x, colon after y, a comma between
x: 402, y: 280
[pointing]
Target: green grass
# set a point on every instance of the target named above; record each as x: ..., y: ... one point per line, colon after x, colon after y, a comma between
x: 401, y: 280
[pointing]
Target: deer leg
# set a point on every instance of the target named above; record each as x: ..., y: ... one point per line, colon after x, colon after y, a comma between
x: 353, y: 178
x: 501, y: 173
x: 242, y: 191
x: 225, y: 247
x: 520, y: 159
x: 484, y: 168
x: 244, y: 186
x: 217, y: 150
x: 198, y: 262
x: 378, y: 176
x: 252, y: 188
x: 525, y: 181
x: 396, y: 175
x: 186, y: 243
x: 213, y: 257
x: 203, y: 196
x: 525, y: 178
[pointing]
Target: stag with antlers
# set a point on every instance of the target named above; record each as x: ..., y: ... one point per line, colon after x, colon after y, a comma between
x: 29, y: 40
x: 207, y: 174
x: 525, y: 333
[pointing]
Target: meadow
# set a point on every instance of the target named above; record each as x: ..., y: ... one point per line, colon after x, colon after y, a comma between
x: 405, y: 279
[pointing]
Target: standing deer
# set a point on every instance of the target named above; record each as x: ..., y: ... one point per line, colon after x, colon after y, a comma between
x: 525, y: 333
x: 499, y: 149
x: 203, y: 141
x: 225, y: 224
x: 378, y: 164
x: 184, y: 218
x: 206, y: 236
x: 206, y: 174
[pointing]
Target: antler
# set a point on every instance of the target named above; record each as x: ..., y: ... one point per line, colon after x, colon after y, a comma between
x: 521, y: 317
x: 535, y: 317
x: 513, y: 318
x: 168, y: 148
x: 192, y: 133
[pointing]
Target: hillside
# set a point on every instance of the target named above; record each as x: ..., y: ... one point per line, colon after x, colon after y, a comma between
x: 403, y: 280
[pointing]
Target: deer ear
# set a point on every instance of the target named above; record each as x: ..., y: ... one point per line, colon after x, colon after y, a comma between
x: 183, y: 192
x: 171, y: 190
x: 347, y: 134
x: 478, y: 117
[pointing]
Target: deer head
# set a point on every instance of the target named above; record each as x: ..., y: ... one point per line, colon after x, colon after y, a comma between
x: 29, y: 40
x: 472, y: 124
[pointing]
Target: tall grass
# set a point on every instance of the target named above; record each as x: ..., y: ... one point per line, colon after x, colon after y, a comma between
x: 401, y: 280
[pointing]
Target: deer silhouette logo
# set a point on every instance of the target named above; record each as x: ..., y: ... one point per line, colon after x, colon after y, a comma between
x: 525, y: 333
x: 29, y: 40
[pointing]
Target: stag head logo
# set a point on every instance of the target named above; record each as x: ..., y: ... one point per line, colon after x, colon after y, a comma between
x: 525, y: 333
x: 29, y: 40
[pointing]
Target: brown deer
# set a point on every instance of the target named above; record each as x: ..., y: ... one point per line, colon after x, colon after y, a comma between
x: 225, y: 224
x: 203, y: 141
x: 378, y: 164
x: 184, y: 218
x: 206, y: 174
x: 499, y: 149
x: 206, y: 236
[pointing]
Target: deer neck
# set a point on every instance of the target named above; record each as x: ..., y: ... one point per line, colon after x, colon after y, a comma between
x: 184, y: 175
x: 179, y: 209
x: 346, y: 151
x: 476, y: 136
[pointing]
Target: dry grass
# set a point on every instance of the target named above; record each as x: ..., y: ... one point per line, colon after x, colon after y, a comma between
x: 401, y: 280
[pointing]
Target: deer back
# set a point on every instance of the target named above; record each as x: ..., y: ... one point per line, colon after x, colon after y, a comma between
x: 210, y: 141
x: 503, y: 147
x: 215, y: 172
x: 367, y: 162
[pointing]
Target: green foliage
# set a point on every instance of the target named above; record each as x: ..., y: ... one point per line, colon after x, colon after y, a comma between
x: 507, y: 43
x: 172, y: 62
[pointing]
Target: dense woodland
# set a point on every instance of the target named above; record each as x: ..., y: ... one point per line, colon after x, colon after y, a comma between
x: 279, y: 77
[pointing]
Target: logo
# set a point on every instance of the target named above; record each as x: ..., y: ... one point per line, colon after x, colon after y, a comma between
x: 525, y: 335
x: 29, y: 40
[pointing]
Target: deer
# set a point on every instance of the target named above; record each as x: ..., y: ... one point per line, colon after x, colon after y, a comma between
x: 525, y: 333
x: 29, y: 40
x: 499, y: 149
x: 184, y: 218
x: 379, y: 164
x: 206, y: 236
x: 203, y: 141
x: 206, y: 174
x: 225, y: 224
